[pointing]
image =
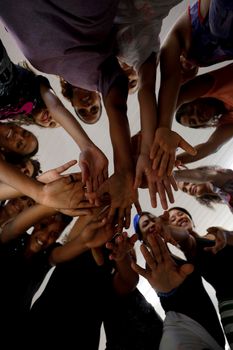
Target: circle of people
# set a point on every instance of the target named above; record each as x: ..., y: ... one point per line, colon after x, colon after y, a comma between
x: 102, y: 52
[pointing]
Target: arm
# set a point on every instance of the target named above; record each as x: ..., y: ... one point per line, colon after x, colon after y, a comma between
x: 24, y: 221
x: 93, y: 163
x: 166, y: 142
x: 125, y: 279
x: 220, y: 136
x: 120, y: 184
x: 8, y: 192
x: 221, y: 236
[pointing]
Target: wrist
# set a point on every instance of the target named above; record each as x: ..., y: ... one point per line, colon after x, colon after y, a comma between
x: 166, y: 294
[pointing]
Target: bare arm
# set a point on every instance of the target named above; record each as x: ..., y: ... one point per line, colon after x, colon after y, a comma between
x: 93, y: 163
x: 220, y: 136
x: 24, y: 221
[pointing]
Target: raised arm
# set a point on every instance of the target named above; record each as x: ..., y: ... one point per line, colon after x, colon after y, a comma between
x: 220, y: 136
x: 166, y: 141
x: 23, y: 221
x: 93, y: 163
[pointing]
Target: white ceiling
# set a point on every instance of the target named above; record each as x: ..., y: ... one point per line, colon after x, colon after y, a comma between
x: 56, y: 147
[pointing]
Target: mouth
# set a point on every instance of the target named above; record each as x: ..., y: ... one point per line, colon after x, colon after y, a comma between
x: 39, y: 242
x: 183, y: 222
x: 45, y: 117
x: 9, y: 134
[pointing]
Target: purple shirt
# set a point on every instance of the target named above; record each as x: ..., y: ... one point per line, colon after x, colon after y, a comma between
x: 70, y: 38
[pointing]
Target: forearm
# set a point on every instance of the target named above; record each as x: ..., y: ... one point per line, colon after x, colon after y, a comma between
x: 22, y: 183
x: 23, y: 221
x: 8, y: 192
x: 203, y: 150
x: 116, y: 108
x: 125, y: 279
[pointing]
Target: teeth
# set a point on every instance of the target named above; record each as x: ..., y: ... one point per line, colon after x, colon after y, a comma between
x: 9, y: 134
x: 39, y: 242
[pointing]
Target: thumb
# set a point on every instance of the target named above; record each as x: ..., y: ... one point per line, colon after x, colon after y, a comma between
x: 187, y: 147
x: 85, y: 171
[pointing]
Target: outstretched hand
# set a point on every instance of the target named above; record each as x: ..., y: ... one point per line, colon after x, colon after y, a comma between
x: 94, y: 167
x: 147, y: 177
x: 56, y: 173
x: 161, y: 271
x: 163, y: 150
x: 122, y: 193
x: 65, y: 193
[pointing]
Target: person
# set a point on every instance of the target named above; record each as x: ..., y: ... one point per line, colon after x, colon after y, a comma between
x: 25, y: 262
x: 187, y: 325
x: 90, y: 63
x: 206, y: 101
x: 13, y: 207
x: 213, y: 262
x: 81, y: 288
x: 15, y: 139
x: 21, y: 91
x: 208, y: 184
x: 87, y: 104
x: 194, y: 38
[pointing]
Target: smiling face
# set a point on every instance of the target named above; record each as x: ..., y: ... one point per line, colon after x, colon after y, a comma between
x: 196, y: 190
x: 45, y: 233
x: 17, y: 205
x: 15, y: 139
x: 87, y: 105
x: 149, y: 224
x: 179, y: 218
x: 44, y: 118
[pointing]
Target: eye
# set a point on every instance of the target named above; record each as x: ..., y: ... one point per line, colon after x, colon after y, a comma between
x: 19, y: 145
x: 82, y: 112
x: 94, y: 109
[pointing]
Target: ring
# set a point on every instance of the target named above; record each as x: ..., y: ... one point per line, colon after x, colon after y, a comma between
x: 72, y: 178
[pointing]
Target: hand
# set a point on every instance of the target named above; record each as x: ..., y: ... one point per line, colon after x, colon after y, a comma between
x: 65, y: 193
x: 219, y: 235
x: 97, y: 233
x: 94, y: 168
x: 120, y: 246
x: 56, y: 173
x: 148, y: 177
x: 84, y: 208
x: 161, y: 271
x: 120, y: 188
x: 163, y: 151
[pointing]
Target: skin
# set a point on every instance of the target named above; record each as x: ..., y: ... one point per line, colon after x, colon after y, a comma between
x: 13, y: 207
x: 196, y: 190
x: 87, y: 105
x: 202, y: 114
x: 44, y: 118
x: 14, y: 138
x: 27, y: 168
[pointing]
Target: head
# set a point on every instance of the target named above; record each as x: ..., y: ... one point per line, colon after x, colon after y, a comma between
x: 87, y: 104
x: 15, y: 206
x: 48, y: 231
x: 133, y: 80
x: 200, y: 113
x: 15, y: 139
x: 28, y: 166
x: 146, y: 223
x: 180, y: 217
x: 44, y: 118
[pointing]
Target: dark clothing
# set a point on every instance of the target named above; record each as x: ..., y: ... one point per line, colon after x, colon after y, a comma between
x: 131, y: 323
x: 73, y: 302
x: 192, y: 300
x: 20, y: 278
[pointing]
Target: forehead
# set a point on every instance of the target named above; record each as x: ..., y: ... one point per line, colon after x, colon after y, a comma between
x: 146, y: 217
x: 176, y: 212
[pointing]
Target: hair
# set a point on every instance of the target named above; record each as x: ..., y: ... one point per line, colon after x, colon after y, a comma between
x: 188, y: 109
x: 209, y: 199
x: 67, y: 92
x: 17, y: 160
x: 183, y: 210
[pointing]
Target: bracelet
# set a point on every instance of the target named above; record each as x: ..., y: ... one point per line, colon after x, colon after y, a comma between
x: 167, y: 294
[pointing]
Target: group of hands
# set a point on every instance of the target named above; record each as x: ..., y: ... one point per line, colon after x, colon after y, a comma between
x: 77, y: 193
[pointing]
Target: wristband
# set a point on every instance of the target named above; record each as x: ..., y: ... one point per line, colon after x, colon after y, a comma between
x: 167, y: 294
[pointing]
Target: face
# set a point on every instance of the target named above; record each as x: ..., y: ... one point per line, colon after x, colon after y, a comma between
x: 196, y: 190
x: 26, y: 168
x: 132, y: 77
x: 202, y: 114
x: 87, y: 105
x: 17, y: 205
x: 179, y: 218
x: 149, y: 224
x: 45, y: 233
x: 13, y: 138
x: 44, y: 118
